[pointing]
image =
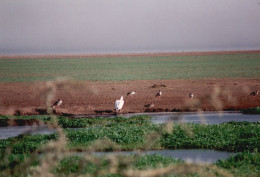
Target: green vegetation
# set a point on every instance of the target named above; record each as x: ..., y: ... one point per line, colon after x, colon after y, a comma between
x: 89, y: 122
x: 72, y: 164
x: 255, y: 110
x: 131, y: 68
x: 232, y: 136
x: 132, y: 133
x: 243, y: 164
x: 135, y: 133
x: 66, y: 122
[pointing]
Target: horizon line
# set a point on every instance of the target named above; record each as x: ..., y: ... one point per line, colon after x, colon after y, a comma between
x: 127, y: 54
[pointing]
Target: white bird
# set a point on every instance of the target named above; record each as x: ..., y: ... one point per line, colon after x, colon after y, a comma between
x: 57, y: 103
x: 191, y: 95
x: 119, y: 104
x: 158, y: 94
x: 131, y: 93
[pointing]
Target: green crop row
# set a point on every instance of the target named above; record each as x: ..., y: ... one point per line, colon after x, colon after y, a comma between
x: 132, y: 68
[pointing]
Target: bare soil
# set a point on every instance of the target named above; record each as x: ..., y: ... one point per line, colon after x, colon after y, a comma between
x: 96, y: 97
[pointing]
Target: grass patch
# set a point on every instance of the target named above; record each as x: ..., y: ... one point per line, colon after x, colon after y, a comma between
x: 243, y: 164
x: 73, y: 164
x: 134, y: 134
x: 66, y: 122
x: 255, y: 110
x: 132, y: 68
x: 231, y: 136
x: 90, y: 122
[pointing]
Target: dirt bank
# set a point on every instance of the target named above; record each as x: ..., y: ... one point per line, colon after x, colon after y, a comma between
x: 92, y: 97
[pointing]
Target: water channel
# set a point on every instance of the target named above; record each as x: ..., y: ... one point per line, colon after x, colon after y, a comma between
x: 158, y: 118
x: 187, y: 155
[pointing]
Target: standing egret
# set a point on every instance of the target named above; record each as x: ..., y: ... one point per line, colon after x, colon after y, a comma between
x: 119, y: 104
x: 191, y: 95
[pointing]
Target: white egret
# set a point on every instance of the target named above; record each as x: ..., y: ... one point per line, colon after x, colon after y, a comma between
x: 119, y: 104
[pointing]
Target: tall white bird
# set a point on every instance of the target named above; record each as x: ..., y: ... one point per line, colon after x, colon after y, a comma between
x: 191, y: 95
x: 119, y: 104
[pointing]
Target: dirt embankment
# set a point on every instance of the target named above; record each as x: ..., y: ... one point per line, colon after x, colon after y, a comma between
x: 92, y: 97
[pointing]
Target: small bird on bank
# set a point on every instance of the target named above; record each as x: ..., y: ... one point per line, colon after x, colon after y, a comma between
x: 159, y: 94
x: 150, y: 105
x: 254, y: 93
x: 191, y: 95
x: 119, y: 104
x: 131, y: 94
x: 57, y: 103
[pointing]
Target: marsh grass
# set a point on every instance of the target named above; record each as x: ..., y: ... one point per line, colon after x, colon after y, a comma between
x: 243, y: 164
x: 67, y: 122
x: 255, y: 110
x: 126, y: 136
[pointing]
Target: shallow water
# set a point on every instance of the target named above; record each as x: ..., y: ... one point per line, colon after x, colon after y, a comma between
x: 204, y: 118
x: 159, y: 118
x: 188, y: 155
x: 13, y: 131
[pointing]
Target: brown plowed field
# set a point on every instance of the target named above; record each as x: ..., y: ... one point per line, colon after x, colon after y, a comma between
x: 94, y: 97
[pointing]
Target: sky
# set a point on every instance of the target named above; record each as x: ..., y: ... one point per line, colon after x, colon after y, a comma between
x: 124, y: 26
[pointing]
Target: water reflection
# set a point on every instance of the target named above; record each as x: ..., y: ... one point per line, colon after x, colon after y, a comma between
x: 204, y: 118
x: 188, y: 155
x: 13, y: 131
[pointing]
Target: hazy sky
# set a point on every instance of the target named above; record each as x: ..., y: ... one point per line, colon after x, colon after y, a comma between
x: 111, y: 26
